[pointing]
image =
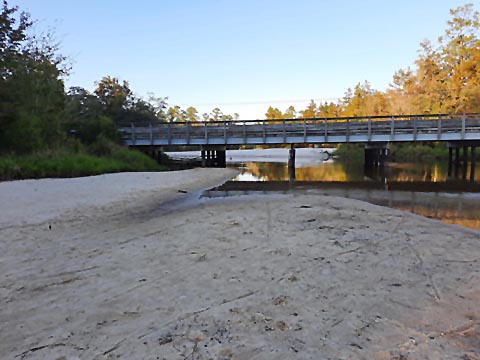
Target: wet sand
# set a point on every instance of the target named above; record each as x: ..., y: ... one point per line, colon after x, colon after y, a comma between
x: 266, y: 277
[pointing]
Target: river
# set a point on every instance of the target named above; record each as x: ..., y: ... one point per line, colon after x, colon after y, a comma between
x: 422, y: 188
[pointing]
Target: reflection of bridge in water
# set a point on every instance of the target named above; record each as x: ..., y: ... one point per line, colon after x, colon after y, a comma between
x: 376, y: 132
x: 426, y: 199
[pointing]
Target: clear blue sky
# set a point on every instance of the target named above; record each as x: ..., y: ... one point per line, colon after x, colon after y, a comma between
x: 241, y: 55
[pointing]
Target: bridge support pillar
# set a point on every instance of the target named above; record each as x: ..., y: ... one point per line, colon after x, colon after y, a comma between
x: 376, y: 154
x: 458, y: 162
x: 472, y: 164
x: 450, y: 161
x: 291, y: 163
x: 214, y: 156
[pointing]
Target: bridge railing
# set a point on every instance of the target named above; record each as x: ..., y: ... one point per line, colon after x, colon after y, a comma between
x: 300, y: 130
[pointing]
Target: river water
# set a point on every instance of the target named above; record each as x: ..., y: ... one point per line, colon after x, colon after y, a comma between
x: 424, y: 189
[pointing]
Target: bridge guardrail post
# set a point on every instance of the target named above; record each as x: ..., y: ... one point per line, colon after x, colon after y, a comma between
x: 134, y: 140
x: 170, y: 132
x: 347, y: 131
x: 264, y: 133
x: 369, y: 129
x: 325, y: 124
x: 225, y: 131
x: 206, y: 133
x: 415, y: 118
x: 150, y: 129
x: 244, y: 133
x: 392, y: 128
x: 439, y: 127
x: 304, y: 130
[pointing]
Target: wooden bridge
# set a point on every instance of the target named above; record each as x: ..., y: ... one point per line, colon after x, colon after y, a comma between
x: 374, y: 131
x: 371, y: 129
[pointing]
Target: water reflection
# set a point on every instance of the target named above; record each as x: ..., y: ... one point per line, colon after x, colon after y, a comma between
x: 423, y: 186
x: 458, y: 208
x: 350, y: 171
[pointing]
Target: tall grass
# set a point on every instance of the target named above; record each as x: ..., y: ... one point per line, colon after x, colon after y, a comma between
x: 64, y: 164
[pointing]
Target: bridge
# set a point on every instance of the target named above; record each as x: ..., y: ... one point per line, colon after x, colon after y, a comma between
x: 376, y: 132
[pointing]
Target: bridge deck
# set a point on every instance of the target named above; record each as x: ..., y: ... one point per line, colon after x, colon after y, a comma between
x: 332, y: 130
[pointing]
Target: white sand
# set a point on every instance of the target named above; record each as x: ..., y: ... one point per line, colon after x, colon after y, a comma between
x: 273, y: 277
x: 34, y: 201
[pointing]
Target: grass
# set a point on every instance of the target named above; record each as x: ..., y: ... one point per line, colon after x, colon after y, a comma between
x: 64, y: 164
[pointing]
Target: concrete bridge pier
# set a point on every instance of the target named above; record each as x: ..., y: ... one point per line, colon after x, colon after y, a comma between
x: 376, y: 154
x: 457, y: 162
x: 214, y: 156
x: 291, y: 163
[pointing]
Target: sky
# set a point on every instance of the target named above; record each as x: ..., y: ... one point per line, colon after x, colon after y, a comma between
x: 243, y: 55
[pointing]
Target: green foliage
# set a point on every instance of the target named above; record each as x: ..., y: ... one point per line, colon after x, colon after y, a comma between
x: 24, y: 134
x: 424, y: 152
x: 70, y: 164
x: 31, y: 88
x: 102, y: 146
x: 350, y: 151
x: 91, y: 130
x: 398, y: 151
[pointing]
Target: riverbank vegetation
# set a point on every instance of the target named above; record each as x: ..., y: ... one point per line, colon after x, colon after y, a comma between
x: 399, y: 152
x: 45, y: 131
x: 49, y: 131
x: 63, y: 163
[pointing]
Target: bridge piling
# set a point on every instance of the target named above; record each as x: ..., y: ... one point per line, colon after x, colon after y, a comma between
x: 472, y: 164
x: 214, y: 156
x: 376, y: 154
x: 291, y: 163
x: 450, y: 160
x: 460, y: 153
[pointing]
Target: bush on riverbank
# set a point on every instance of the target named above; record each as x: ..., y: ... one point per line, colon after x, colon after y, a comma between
x: 349, y: 151
x: 398, y: 151
x: 64, y: 164
x: 416, y: 152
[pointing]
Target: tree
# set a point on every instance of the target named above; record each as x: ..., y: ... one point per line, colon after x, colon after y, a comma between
x: 216, y: 115
x: 447, y: 76
x: 115, y: 97
x: 192, y: 114
x: 290, y: 113
x: 159, y: 105
x: 310, y: 111
x: 85, y: 117
x: 176, y: 113
x: 31, y: 85
x: 459, y: 58
x: 273, y: 114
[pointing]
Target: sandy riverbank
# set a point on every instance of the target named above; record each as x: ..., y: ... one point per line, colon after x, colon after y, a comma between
x: 277, y: 277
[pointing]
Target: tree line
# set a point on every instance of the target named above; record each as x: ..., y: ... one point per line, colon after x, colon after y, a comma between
x: 445, y: 79
x: 38, y: 113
